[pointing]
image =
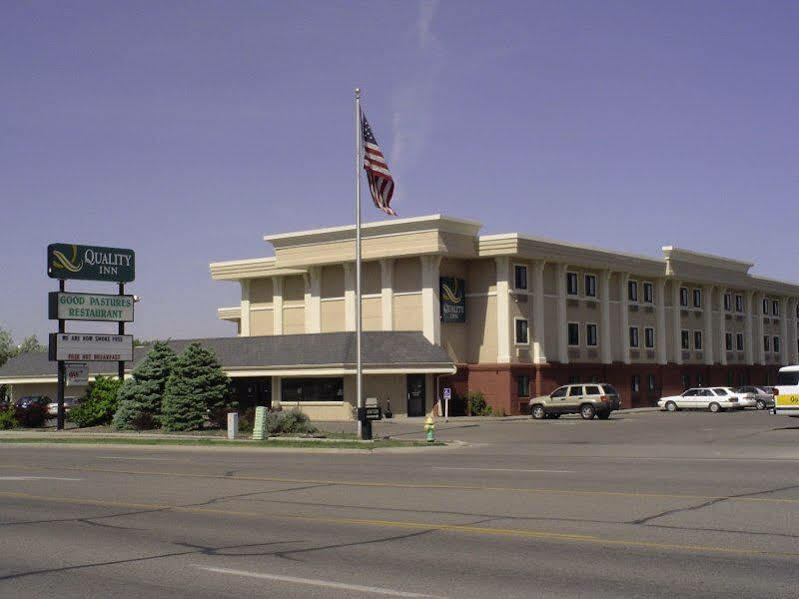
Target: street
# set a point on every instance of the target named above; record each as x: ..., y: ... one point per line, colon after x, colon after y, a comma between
x: 647, y: 504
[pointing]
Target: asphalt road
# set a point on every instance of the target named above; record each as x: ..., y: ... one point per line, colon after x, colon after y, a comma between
x: 643, y: 505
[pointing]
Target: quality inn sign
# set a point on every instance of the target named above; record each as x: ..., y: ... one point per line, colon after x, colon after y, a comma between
x: 90, y: 262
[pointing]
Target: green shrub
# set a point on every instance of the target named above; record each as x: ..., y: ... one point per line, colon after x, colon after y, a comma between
x: 99, y: 404
x: 289, y: 422
x: 8, y: 419
x: 32, y: 416
x: 141, y: 397
x: 476, y: 404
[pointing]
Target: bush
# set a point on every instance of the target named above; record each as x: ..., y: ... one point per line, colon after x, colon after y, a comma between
x: 99, y: 404
x: 476, y: 404
x: 33, y: 416
x: 8, y: 419
x: 141, y: 397
x: 289, y: 422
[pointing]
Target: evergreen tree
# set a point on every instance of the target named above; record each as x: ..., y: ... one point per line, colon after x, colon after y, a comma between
x: 140, y: 404
x: 197, y: 384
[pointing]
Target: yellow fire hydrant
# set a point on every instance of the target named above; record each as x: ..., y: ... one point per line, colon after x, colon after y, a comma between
x: 430, y: 429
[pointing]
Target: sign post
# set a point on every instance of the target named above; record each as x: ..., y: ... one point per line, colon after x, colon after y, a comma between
x: 447, y: 397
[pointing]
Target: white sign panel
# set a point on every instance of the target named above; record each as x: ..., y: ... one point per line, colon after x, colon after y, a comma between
x: 77, y: 373
x: 91, y: 347
x: 447, y: 393
x: 90, y: 306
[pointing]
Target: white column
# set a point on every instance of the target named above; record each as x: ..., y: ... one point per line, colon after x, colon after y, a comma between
x: 784, y: 331
x: 722, y: 328
x: 503, y: 309
x: 431, y: 307
x: 277, y: 392
x: 349, y: 296
x: 561, y: 319
x: 539, y: 318
x: 605, y: 347
x: 245, y: 308
x: 760, y: 352
x: 676, y: 321
x: 387, y: 294
x: 624, y: 317
x: 707, y: 319
x: 660, y: 321
x: 277, y: 305
x: 313, y: 304
x: 749, y: 335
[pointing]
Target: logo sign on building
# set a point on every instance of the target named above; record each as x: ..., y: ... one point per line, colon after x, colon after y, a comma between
x: 452, y: 294
x: 90, y: 306
x: 77, y: 373
x: 91, y: 347
x: 90, y: 263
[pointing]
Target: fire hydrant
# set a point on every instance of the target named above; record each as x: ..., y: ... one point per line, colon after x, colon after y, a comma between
x: 430, y: 429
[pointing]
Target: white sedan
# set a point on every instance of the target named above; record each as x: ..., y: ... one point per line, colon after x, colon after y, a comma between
x: 714, y: 399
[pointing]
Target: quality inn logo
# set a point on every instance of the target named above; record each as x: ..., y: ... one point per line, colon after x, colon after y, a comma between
x: 452, y: 295
x: 90, y: 262
x: 62, y: 262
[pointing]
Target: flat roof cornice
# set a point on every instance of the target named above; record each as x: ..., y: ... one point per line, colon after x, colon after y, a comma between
x: 250, y: 268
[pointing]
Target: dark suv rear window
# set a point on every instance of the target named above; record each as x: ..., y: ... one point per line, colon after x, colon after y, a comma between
x: 610, y: 389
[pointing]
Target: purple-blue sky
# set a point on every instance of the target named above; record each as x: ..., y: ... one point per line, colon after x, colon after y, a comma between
x: 188, y: 130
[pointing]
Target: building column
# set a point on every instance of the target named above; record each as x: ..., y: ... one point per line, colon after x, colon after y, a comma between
x: 605, y: 343
x: 676, y: 321
x: 349, y: 296
x: 277, y: 305
x: 660, y: 321
x: 707, y: 319
x: 759, y: 351
x: 313, y: 304
x: 561, y: 318
x: 245, y: 308
x: 749, y: 334
x: 503, y: 309
x: 784, y: 331
x: 277, y: 392
x: 387, y: 294
x: 723, y: 328
x: 431, y: 305
x: 793, y: 333
x: 539, y: 318
x: 624, y: 317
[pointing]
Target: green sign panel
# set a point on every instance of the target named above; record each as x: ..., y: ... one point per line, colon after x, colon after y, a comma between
x: 90, y: 263
x: 452, y: 293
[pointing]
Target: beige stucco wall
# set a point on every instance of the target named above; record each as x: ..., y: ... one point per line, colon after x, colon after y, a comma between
x: 482, y: 330
x: 408, y: 312
x: 293, y: 319
x: 293, y: 288
x: 261, y: 291
x: 48, y: 389
x: 333, y: 315
x: 407, y: 275
x: 481, y: 276
x: 549, y: 278
x: 262, y: 322
x: 371, y: 314
x: 551, y: 328
x: 371, y: 281
x: 332, y: 283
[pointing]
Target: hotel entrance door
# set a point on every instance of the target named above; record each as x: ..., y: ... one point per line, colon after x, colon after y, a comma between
x: 416, y: 394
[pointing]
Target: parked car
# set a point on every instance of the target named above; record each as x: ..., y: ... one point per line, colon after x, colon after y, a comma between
x: 52, y: 407
x: 32, y: 400
x: 31, y: 410
x: 762, y: 396
x: 588, y: 400
x: 715, y: 399
x: 745, y: 400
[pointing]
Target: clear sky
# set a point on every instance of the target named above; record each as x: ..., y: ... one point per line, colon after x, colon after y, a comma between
x: 188, y: 130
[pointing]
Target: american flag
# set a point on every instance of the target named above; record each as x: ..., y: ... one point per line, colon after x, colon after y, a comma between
x: 381, y: 183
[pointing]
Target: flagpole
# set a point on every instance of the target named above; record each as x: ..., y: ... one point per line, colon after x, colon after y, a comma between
x: 358, y: 364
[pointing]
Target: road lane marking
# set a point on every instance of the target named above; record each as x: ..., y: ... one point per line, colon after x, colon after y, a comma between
x: 429, y: 526
x: 393, y: 485
x: 2, y: 478
x: 318, y: 583
x: 498, y: 469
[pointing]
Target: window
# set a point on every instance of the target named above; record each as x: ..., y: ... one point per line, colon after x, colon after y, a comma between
x: 684, y: 296
x: 635, y: 383
x: 574, y: 333
x: 728, y: 341
x: 727, y: 302
x: 649, y: 337
x: 685, y: 340
x: 697, y: 340
x: 765, y: 305
x: 633, y: 337
x: 590, y: 335
x: 686, y: 381
x: 522, y: 337
x: 632, y: 291
x: 739, y: 341
x: 523, y: 385
x: 776, y: 345
x: 766, y: 343
x: 519, y: 277
x: 571, y: 283
x: 719, y: 391
x: 576, y: 390
x: 650, y: 382
x: 592, y: 390
x: 312, y: 389
x: 559, y: 392
x: 788, y: 379
x: 775, y: 307
x: 649, y: 293
x: 590, y: 285
x: 697, y: 298
x: 739, y: 303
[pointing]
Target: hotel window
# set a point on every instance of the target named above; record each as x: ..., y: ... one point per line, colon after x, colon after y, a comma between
x: 574, y: 333
x: 649, y: 337
x: 739, y: 303
x: 684, y: 296
x: 520, y: 277
x: 728, y: 341
x: 650, y: 382
x: 632, y: 291
x: 590, y: 335
x: 633, y: 337
x: 685, y: 340
x: 766, y: 343
x: 727, y: 302
x: 649, y: 293
x: 635, y: 383
x: 523, y: 385
x: 571, y: 283
x: 697, y: 340
x: 697, y: 298
x: 739, y: 341
x: 686, y: 381
x: 776, y: 345
x: 590, y: 285
x: 775, y: 307
x: 312, y: 389
x: 522, y: 337
x: 765, y: 305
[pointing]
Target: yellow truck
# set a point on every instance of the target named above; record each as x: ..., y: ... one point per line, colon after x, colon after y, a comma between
x: 786, y: 393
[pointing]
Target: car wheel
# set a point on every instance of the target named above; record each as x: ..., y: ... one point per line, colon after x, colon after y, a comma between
x: 603, y: 415
x: 538, y: 412
x: 761, y: 405
x: 714, y: 407
x: 587, y: 411
x: 671, y: 406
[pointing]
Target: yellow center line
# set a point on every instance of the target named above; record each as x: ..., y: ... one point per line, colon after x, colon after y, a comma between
x: 395, y: 485
x: 433, y: 526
